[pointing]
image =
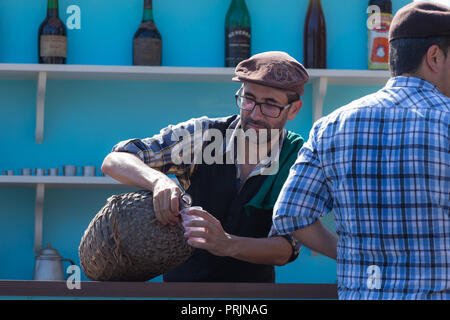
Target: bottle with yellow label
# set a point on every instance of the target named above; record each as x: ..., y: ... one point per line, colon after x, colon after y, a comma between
x: 379, y: 22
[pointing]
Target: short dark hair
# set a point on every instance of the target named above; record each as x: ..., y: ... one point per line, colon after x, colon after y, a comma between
x: 292, y: 97
x: 405, y: 55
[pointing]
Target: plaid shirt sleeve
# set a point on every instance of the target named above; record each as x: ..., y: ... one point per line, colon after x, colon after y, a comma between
x: 305, y: 196
x: 157, y: 151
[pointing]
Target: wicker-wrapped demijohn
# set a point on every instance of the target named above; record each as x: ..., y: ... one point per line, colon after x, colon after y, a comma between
x: 125, y: 241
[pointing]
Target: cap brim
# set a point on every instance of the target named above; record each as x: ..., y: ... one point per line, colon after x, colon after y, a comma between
x: 263, y: 83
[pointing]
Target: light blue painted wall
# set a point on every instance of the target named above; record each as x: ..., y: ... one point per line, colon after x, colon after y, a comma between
x: 84, y: 119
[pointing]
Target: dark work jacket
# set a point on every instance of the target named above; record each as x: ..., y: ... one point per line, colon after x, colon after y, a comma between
x: 214, y: 187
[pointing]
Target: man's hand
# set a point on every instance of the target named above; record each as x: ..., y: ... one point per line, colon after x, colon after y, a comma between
x: 130, y: 169
x: 166, y: 195
x: 270, y: 251
x: 218, y: 242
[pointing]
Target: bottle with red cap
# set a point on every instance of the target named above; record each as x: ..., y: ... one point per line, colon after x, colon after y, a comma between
x: 380, y: 18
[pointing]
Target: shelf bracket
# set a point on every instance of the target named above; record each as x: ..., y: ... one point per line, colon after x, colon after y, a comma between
x: 38, y: 217
x: 40, y: 104
x: 319, y: 91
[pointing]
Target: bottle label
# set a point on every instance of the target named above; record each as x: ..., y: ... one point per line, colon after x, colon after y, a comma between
x: 378, y: 43
x: 147, y: 51
x: 53, y: 46
x: 237, y: 45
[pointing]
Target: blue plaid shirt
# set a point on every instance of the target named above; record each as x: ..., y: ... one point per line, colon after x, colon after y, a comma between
x: 382, y: 163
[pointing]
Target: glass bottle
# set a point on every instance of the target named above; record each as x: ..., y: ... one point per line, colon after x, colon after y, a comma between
x: 147, y: 41
x: 378, y: 34
x: 52, y: 35
x: 237, y: 33
x: 315, y: 37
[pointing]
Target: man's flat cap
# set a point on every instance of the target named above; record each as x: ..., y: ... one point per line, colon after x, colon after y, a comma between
x: 274, y: 69
x: 420, y: 20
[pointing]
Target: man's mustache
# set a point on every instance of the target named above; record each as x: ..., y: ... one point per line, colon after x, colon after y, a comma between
x: 257, y: 123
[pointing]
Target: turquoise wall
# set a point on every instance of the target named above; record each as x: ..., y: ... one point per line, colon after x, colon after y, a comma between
x: 84, y: 119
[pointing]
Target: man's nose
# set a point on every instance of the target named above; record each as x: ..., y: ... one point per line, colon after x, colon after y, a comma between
x: 256, y: 112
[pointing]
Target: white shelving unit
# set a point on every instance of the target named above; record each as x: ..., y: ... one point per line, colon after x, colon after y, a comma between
x: 60, y: 181
x: 319, y: 78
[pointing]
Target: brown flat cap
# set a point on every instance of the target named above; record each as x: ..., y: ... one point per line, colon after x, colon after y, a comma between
x: 274, y: 69
x: 420, y: 20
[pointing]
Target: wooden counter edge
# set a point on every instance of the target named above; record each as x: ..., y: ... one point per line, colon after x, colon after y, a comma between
x: 181, y: 290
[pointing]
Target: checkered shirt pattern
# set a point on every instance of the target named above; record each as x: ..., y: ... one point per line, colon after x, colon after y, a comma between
x: 382, y: 164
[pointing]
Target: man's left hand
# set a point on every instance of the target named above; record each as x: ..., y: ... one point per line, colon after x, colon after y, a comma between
x: 217, y: 241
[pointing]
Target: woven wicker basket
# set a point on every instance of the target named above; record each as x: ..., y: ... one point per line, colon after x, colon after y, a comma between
x: 125, y: 241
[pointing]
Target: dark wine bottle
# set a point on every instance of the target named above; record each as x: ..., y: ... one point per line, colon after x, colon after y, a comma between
x: 147, y: 41
x: 315, y: 37
x: 52, y: 37
x: 237, y: 33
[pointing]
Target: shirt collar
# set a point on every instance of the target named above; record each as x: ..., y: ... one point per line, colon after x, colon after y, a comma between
x: 411, y: 82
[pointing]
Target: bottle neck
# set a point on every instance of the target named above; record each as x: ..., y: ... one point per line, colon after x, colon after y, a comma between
x: 52, y: 8
x: 384, y: 5
x: 148, y: 11
x: 238, y: 3
x: 314, y: 5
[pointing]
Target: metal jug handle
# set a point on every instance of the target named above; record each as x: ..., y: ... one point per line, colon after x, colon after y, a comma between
x: 73, y: 263
x: 185, y: 201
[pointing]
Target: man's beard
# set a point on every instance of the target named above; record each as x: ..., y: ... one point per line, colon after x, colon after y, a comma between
x: 262, y: 135
x: 260, y: 140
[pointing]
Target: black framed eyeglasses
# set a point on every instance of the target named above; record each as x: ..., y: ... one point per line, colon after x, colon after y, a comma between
x: 267, y: 109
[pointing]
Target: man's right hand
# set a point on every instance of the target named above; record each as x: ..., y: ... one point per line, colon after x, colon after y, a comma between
x: 130, y: 169
x: 166, y: 195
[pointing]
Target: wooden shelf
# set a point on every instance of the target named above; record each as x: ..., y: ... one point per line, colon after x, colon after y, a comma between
x: 171, y: 74
x: 319, y: 78
x: 60, y: 182
x: 351, y: 77
x: 122, y: 73
x: 169, y: 290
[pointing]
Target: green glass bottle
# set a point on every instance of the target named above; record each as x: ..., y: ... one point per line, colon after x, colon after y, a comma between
x: 147, y: 41
x: 237, y: 33
x: 52, y: 37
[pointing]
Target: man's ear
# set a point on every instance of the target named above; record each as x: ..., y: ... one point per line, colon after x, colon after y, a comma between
x: 434, y: 58
x: 294, y: 109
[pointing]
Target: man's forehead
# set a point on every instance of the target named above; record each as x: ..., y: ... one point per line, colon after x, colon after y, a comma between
x: 264, y: 92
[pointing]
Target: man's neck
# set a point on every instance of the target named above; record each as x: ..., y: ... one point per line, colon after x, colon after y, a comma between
x: 424, y: 74
x: 261, y: 152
